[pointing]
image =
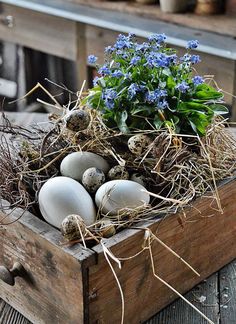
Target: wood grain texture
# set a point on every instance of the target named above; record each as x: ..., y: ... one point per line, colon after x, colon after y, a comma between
x: 231, y: 6
x: 81, y: 58
x: 204, y: 296
x: 222, y: 24
x: 227, y: 279
x: 54, y: 275
x: 233, y: 114
x: 206, y: 241
x: 53, y: 35
x: 9, y: 315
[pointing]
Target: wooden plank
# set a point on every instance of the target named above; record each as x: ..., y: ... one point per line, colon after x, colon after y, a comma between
x: 231, y: 7
x: 233, y: 114
x: 46, y: 33
x: 206, y: 241
x: 227, y: 277
x: 204, y: 297
x: 224, y: 24
x: 81, y: 58
x: 9, y: 315
x: 54, y: 276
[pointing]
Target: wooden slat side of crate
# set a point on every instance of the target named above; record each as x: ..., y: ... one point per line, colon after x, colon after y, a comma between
x: 205, y: 238
x: 54, y: 287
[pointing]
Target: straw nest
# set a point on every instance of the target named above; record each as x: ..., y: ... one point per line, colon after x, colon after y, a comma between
x: 177, y: 168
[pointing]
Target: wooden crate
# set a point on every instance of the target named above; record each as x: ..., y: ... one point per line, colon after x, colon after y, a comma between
x: 75, y: 285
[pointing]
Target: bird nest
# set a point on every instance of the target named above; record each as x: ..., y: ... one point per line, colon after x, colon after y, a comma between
x: 175, y: 168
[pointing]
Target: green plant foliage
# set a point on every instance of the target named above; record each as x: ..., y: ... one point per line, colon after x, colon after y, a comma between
x: 143, y: 86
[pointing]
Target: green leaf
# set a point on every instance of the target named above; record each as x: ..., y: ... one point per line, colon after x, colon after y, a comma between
x: 157, y: 122
x: 199, y: 122
x: 166, y: 72
x: 192, y: 106
x: 219, y: 109
x: 170, y: 83
x: 139, y: 109
x: 120, y: 118
x: 206, y: 92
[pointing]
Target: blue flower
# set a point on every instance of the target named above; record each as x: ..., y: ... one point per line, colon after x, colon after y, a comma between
x: 151, y: 97
x: 132, y: 90
x: 131, y: 36
x: 128, y: 76
x: 155, y: 96
x: 197, y: 80
x: 117, y: 74
x: 123, y: 42
x: 185, y: 58
x: 92, y: 59
x: 157, y: 60
x: 95, y: 81
x: 195, y: 59
x: 104, y: 70
x: 182, y: 87
x: 162, y: 104
x: 135, y: 60
x: 142, y: 47
x: 171, y: 59
x: 109, y: 96
x: 109, y: 50
x: 192, y: 44
x: 159, y: 38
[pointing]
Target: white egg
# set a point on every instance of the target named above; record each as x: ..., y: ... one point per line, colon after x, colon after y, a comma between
x: 115, y: 195
x: 62, y: 196
x: 76, y: 163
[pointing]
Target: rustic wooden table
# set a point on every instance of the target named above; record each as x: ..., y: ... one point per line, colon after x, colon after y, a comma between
x: 215, y: 297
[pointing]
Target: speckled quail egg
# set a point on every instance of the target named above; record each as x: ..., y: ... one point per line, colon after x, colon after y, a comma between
x: 118, y: 172
x: 72, y: 227
x: 139, y: 178
x: 77, y: 120
x: 92, y: 179
x: 137, y: 144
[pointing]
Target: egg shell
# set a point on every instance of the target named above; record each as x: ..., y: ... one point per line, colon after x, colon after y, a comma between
x: 118, y: 172
x: 92, y: 179
x: 139, y: 178
x: 62, y: 196
x: 76, y: 163
x: 72, y: 226
x: 137, y: 144
x: 77, y: 120
x: 115, y: 195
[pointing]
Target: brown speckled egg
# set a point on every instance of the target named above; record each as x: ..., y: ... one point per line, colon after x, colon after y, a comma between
x: 139, y: 178
x: 77, y: 120
x: 92, y: 179
x: 137, y: 144
x: 118, y: 172
x: 71, y: 226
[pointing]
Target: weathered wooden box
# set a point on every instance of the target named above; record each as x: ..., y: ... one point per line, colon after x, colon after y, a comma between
x: 75, y: 285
